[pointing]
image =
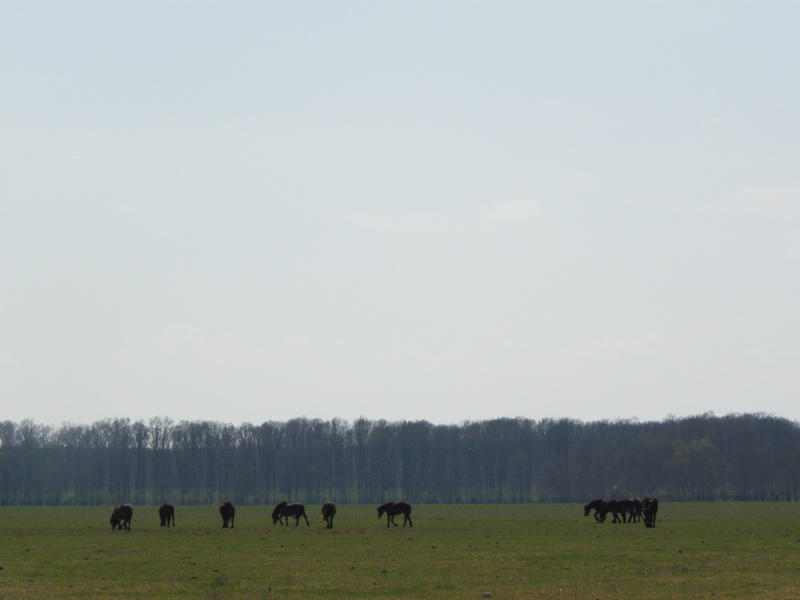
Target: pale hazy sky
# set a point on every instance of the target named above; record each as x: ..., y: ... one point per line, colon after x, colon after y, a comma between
x: 250, y: 211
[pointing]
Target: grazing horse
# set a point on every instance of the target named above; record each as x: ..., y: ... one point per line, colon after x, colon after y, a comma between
x: 287, y: 510
x: 649, y: 511
x: 167, y: 514
x: 596, y: 505
x: 228, y: 511
x: 617, y: 508
x: 121, y: 516
x: 328, y: 512
x: 393, y: 509
x: 637, y: 511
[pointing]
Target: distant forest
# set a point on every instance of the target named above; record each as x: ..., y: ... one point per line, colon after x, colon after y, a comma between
x: 700, y: 458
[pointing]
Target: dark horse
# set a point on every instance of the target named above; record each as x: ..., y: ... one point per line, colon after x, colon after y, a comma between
x: 167, y: 514
x: 393, y: 509
x: 121, y: 516
x: 637, y: 511
x: 649, y: 511
x: 620, y: 509
x: 284, y: 509
x: 328, y: 512
x: 597, y: 505
x: 228, y: 511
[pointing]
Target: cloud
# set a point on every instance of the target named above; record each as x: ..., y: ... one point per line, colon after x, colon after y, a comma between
x: 615, y: 348
x: 118, y: 207
x: 515, y: 210
x: 180, y: 344
x: 772, y: 200
x: 9, y: 356
x: 793, y: 253
x: 770, y: 353
x: 397, y: 222
x: 185, y: 362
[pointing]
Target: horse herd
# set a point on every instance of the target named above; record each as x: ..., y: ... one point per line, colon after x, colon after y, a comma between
x: 122, y: 515
x: 631, y: 510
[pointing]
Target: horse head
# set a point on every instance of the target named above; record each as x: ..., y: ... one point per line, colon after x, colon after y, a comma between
x: 593, y: 504
x: 276, y: 514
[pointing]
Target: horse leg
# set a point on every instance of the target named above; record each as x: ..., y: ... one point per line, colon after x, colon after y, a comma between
x: 408, y: 518
x: 306, y: 518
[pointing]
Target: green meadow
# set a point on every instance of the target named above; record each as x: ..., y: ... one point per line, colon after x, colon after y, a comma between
x: 723, y: 550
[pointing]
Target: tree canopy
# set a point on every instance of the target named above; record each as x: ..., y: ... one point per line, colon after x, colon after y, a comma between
x: 698, y: 458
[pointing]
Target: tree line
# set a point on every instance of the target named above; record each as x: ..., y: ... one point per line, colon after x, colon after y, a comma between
x: 698, y: 458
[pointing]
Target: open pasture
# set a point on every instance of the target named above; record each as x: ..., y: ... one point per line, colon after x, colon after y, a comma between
x: 725, y: 550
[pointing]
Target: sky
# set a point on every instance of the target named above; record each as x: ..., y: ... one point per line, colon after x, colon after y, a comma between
x: 421, y: 210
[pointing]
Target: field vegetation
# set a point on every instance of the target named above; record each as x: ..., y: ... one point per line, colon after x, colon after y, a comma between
x: 714, y: 550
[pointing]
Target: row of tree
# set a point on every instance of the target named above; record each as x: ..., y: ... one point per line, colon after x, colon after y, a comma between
x: 736, y: 457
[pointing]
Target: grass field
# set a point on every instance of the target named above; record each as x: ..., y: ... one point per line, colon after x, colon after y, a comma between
x: 725, y: 550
